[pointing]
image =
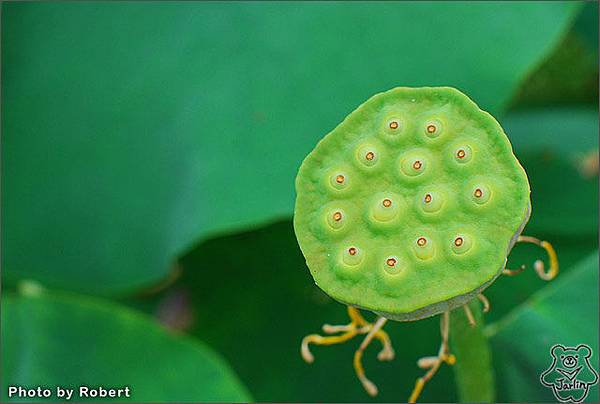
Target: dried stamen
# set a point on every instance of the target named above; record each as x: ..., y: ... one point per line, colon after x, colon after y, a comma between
x: 421, y: 241
x: 417, y: 165
x: 352, y: 251
x: 337, y: 216
x: 370, y: 156
x: 428, y: 198
x: 387, y: 203
x: 458, y: 241
x: 340, y: 179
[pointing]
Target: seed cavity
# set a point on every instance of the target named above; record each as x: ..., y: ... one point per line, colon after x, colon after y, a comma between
x: 338, y: 181
x: 391, y: 265
x: 336, y: 219
x: 367, y: 155
x: 392, y: 129
x: 431, y: 202
x: 413, y: 166
x: 461, y: 244
x: 352, y: 256
x: 463, y: 154
x: 393, y: 124
x: 423, y: 248
x: 384, y: 209
x: 433, y: 129
x: 481, y: 194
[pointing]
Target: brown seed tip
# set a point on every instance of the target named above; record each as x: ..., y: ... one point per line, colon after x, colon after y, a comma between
x: 370, y: 156
x: 339, y: 179
x: 478, y: 193
x: 458, y: 241
x: 394, y: 125
x: 391, y: 262
x: 460, y: 154
x: 352, y: 251
x: 417, y: 165
x: 431, y: 128
x: 387, y: 203
x: 337, y: 216
x: 427, y: 198
x: 421, y: 241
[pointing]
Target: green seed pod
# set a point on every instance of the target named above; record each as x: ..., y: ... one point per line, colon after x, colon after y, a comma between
x: 411, y: 205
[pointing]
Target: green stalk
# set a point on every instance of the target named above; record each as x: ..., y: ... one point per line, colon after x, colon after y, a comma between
x: 473, y: 372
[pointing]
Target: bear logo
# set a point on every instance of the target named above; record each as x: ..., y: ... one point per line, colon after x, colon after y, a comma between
x: 571, y: 374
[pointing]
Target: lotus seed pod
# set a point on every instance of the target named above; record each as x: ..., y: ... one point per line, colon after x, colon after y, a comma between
x: 411, y: 205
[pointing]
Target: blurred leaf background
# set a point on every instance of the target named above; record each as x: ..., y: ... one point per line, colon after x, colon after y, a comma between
x: 149, y: 152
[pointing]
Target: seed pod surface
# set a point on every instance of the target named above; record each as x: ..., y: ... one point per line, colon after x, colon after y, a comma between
x: 410, y: 206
